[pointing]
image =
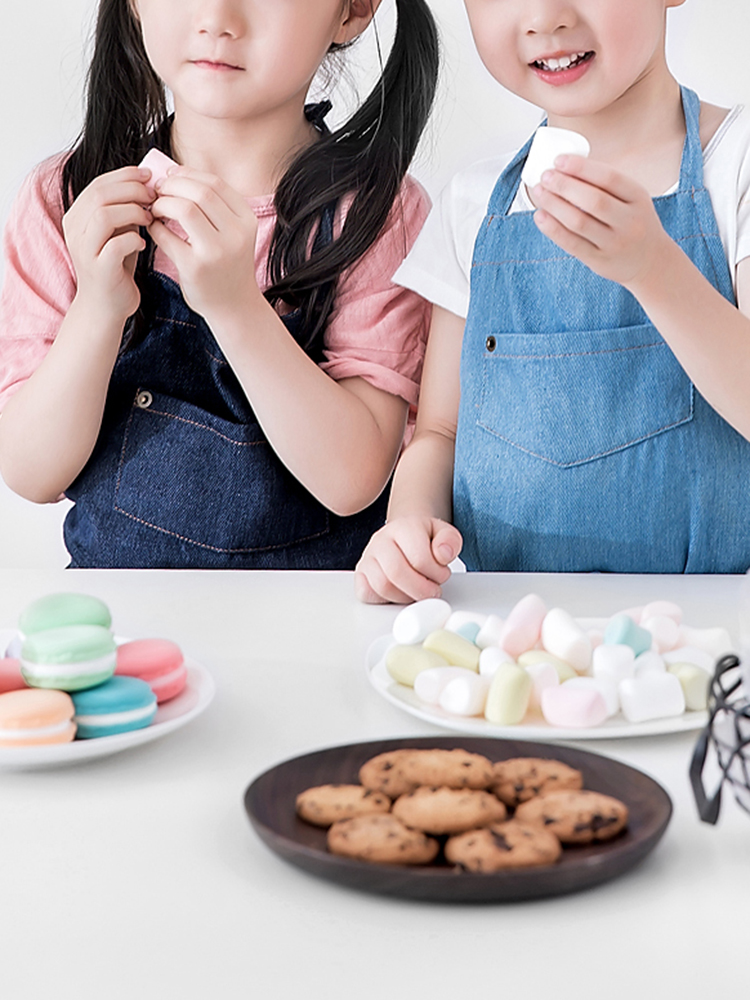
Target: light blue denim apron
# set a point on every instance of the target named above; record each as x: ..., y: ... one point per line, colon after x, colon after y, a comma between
x: 182, y: 474
x: 582, y: 444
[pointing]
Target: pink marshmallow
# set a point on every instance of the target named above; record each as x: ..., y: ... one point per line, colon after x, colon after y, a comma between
x: 658, y: 608
x: 158, y: 163
x: 523, y: 625
x: 573, y: 708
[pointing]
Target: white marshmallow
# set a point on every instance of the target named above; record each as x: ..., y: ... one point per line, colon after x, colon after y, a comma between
x: 649, y: 662
x: 651, y: 696
x: 491, y: 658
x: 616, y: 661
x: 563, y: 637
x: 550, y: 142
x: 489, y: 633
x: 429, y: 684
x: 715, y: 641
x: 465, y: 695
x: 415, y: 622
x: 604, y: 684
x: 543, y: 675
x: 458, y: 619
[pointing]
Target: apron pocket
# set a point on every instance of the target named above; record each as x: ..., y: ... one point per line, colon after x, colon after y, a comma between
x: 569, y: 398
x: 209, y: 482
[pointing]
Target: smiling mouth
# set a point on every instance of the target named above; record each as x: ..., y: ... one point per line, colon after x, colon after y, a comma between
x: 563, y: 63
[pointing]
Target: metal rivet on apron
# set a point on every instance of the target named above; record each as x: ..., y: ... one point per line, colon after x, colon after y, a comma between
x: 144, y: 399
x: 490, y: 343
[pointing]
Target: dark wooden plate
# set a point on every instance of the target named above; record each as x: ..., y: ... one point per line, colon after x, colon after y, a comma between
x: 270, y: 799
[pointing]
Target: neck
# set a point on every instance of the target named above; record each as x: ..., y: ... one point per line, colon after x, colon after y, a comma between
x: 249, y: 155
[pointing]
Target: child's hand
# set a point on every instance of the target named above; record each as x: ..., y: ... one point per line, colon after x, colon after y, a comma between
x: 216, y: 261
x: 407, y: 560
x: 600, y: 216
x: 101, y: 233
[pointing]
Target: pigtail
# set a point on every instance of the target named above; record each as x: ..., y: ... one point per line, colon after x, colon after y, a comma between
x: 125, y: 102
x: 366, y: 158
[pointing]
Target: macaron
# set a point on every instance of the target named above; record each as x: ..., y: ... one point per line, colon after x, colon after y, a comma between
x: 56, y: 610
x: 33, y: 717
x: 70, y: 658
x: 120, y: 705
x: 159, y: 662
x: 11, y: 678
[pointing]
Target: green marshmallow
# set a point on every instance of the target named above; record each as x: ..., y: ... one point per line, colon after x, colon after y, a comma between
x: 454, y: 649
x: 57, y: 610
x: 564, y: 670
x: 405, y: 663
x: 695, y: 683
x: 508, y: 695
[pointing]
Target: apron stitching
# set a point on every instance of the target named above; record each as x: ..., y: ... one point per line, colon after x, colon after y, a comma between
x: 214, y: 548
x: 205, y: 427
x: 597, y: 455
x: 575, y: 354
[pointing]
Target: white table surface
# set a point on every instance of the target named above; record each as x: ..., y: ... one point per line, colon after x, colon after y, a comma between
x: 138, y: 875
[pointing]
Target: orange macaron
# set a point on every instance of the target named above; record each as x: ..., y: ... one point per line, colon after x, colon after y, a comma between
x: 36, y: 716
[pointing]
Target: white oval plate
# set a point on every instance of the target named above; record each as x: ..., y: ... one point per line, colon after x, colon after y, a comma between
x: 173, y: 714
x: 615, y: 728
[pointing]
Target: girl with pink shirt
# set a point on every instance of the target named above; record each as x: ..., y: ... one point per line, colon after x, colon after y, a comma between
x: 216, y: 375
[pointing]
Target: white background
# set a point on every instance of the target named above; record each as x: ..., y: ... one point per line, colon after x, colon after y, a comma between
x: 42, y: 60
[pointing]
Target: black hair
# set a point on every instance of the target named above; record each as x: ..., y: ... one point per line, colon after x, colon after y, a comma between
x: 365, y: 159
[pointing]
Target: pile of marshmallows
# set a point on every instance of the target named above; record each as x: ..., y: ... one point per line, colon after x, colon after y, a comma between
x: 642, y: 662
x: 64, y: 676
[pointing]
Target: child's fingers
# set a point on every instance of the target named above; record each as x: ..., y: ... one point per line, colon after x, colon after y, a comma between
x: 568, y: 241
x: 197, y: 225
x: 367, y: 594
x: 204, y: 189
x: 172, y: 245
x: 405, y: 577
x: 446, y: 544
x: 589, y: 199
x: 121, y: 246
x: 118, y: 186
x: 108, y: 221
x: 600, y: 175
x: 379, y: 581
x: 571, y: 217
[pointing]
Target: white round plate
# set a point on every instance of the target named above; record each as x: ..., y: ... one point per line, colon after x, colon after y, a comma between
x: 173, y: 714
x: 615, y: 728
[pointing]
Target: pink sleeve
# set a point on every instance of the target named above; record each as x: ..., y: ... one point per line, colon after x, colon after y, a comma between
x: 39, y: 283
x: 378, y: 330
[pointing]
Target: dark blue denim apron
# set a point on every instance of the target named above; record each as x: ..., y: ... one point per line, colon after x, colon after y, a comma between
x: 182, y: 475
x: 582, y: 444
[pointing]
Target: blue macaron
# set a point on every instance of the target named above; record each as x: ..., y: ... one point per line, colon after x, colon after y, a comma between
x: 120, y: 705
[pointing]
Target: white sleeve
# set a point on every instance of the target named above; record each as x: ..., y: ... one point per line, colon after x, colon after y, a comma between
x: 439, y: 265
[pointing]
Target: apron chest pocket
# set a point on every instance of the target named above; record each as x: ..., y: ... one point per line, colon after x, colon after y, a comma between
x: 210, y: 482
x: 570, y: 398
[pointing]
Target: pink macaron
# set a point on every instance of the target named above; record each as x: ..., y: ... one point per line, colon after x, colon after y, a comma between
x: 11, y: 678
x: 159, y: 662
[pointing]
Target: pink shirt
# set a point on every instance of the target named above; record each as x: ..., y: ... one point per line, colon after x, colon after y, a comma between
x: 377, y: 330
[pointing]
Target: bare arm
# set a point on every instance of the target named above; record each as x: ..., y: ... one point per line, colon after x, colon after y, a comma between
x: 408, y: 558
x: 339, y: 439
x: 49, y: 428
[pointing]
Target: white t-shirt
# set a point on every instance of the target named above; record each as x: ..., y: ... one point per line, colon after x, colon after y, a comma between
x: 439, y: 264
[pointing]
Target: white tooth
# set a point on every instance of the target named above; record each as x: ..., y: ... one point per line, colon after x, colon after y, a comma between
x: 565, y: 61
x: 552, y: 64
